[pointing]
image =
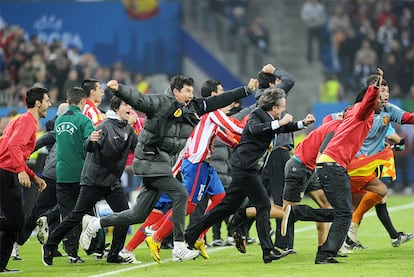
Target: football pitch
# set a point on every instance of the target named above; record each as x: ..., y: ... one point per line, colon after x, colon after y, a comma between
x: 380, y: 259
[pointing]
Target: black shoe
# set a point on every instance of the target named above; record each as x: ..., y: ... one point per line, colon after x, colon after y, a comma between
x: 273, y: 255
x: 235, y: 220
x: 9, y: 270
x: 340, y: 256
x: 75, y: 260
x: 329, y: 260
x: 167, y: 245
x: 115, y: 259
x: 239, y: 242
x: 47, y: 256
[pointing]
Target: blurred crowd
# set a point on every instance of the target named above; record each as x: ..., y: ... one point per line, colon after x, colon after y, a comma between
x: 25, y: 61
x: 353, y: 37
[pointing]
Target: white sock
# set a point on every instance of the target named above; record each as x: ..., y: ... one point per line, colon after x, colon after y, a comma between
x: 179, y: 244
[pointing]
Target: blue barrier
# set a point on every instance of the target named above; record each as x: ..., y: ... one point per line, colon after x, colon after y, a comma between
x: 150, y: 45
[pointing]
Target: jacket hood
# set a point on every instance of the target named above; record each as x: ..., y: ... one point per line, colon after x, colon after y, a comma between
x: 110, y: 114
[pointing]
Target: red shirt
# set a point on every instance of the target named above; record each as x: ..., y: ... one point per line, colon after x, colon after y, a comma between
x: 17, y: 144
x: 307, y: 151
x: 353, y: 130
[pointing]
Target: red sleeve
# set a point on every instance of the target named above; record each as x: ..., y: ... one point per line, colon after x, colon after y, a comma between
x: 407, y: 118
x: 20, y: 138
x: 327, y: 118
x: 368, y: 103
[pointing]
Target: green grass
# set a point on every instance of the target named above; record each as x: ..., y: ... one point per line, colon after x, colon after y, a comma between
x: 380, y: 259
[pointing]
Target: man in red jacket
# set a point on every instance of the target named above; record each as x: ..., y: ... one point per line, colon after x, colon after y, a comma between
x: 16, y: 145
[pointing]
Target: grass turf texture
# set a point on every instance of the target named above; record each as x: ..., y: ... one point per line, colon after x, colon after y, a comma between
x: 380, y: 259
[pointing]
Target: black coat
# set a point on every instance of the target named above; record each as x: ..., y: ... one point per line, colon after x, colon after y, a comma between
x: 256, y: 139
x: 168, y: 126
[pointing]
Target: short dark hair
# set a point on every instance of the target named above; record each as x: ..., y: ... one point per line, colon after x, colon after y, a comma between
x: 75, y: 95
x: 33, y: 94
x: 114, y: 103
x: 271, y: 97
x: 371, y: 79
x: 179, y: 81
x: 209, y: 86
x: 265, y: 78
x: 88, y: 85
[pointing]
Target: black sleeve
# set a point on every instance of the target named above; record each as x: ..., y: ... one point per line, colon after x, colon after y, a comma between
x: 45, y: 140
x: 213, y: 103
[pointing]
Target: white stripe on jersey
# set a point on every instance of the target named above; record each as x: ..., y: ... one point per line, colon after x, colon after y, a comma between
x: 200, y: 143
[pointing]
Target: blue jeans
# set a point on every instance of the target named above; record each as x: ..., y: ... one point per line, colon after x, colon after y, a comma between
x: 334, y: 180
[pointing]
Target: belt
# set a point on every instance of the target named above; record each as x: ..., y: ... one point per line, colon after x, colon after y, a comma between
x: 328, y: 164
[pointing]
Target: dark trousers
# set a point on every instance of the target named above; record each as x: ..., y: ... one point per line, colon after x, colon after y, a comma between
x: 307, y: 213
x: 335, y: 182
x: 199, y: 212
x: 46, y: 200
x: 151, y: 189
x: 11, y: 214
x: 244, y: 183
x: 273, y: 177
x: 88, y: 197
x: 67, y: 195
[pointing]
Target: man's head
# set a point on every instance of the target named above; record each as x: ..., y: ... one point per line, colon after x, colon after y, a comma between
x: 38, y: 98
x: 93, y: 90
x: 211, y: 88
x: 76, y: 97
x: 121, y: 108
x: 273, y: 101
x: 182, y: 87
x: 266, y: 80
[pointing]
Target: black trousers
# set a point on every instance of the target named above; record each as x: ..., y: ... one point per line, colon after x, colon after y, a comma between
x: 273, y: 177
x: 88, y: 197
x: 67, y: 195
x: 11, y: 214
x: 45, y: 201
x: 244, y: 183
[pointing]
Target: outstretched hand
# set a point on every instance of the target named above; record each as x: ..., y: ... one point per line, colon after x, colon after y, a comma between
x: 380, y: 74
x: 113, y: 85
x: 253, y: 85
x: 268, y: 68
x: 309, y: 119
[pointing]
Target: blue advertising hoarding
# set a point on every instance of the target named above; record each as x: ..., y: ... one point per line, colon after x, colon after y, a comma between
x: 144, y: 38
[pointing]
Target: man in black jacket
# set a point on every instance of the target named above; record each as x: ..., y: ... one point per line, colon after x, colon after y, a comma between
x: 107, y: 152
x: 260, y: 129
x: 170, y: 120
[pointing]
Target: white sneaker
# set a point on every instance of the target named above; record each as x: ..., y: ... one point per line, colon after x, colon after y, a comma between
x: 353, y: 232
x: 88, y: 233
x: 43, y: 229
x: 128, y: 257
x: 15, y: 253
x: 184, y: 254
x: 402, y: 237
x: 344, y: 249
x: 148, y: 231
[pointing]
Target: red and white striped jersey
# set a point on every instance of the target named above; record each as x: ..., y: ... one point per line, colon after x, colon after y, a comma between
x: 200, y: 144
x: 91, y: 111
x: 212, y: 125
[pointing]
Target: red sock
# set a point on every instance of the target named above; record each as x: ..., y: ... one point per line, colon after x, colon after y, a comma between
x: 139, y: 236
x: 167, y: 225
